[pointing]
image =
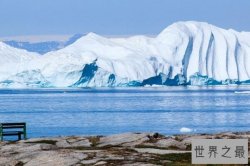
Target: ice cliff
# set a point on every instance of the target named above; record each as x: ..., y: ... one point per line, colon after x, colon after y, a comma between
x: 185, y: 53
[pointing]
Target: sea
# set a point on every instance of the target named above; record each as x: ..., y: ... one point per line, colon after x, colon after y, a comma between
x: 104, y: 111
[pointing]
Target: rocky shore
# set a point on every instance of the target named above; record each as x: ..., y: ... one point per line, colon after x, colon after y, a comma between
x: 129, y: 149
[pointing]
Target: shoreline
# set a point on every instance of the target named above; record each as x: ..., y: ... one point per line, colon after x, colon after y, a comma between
x: 119, y: 149
x: 184, y: 134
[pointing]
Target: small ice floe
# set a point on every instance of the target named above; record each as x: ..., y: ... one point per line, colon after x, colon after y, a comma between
x: 242, y: 92
x: 185, y: 130
x: 154, y: 86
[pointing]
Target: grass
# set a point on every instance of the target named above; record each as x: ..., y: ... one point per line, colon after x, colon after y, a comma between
x: 177, y: 138
x: 185, y: 159
x: 177, y: 157
x: 11, y: 142
x: 150, y: 146
x: 20, y: 163
x: 172, y: 147
x: 81, y: 148
x: 189, y: 147
x: 52, y: 142
x: 108, y: 147
x: 94, y: 140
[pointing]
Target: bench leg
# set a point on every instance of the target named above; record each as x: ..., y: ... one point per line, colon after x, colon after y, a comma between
x: 19, y: 137
x: 1, y: 133
x: 25, y: 136
x: 25, y: 132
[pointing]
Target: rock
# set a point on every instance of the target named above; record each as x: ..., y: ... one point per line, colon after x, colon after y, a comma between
x: 79, y: 155
x: 11, y: 162
x: 101, y: 163
x: 56, y: 158
x: 126, y: 139
x: 170, y: 143
x: 91, y: 161
x: 188, y: 140
x: 48, y: 147
x: 63, y: 144
x: 122, y: 149
x: 158, y: 151
x: 78, y: 165
x: 73, y: 142
x: 156, y: 135
x: 81, y: 143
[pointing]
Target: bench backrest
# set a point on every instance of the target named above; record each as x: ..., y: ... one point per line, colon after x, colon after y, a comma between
x: 12, y: 125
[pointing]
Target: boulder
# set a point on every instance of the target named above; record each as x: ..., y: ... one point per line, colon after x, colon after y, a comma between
x: 170, y: 143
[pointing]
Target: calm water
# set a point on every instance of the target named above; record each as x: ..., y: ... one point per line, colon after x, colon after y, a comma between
x: 108, y: 111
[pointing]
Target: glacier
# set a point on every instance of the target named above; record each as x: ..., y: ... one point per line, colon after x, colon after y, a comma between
x: 185, y: 53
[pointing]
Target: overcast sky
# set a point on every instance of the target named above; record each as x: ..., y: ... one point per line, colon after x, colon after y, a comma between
x: 116, y: 17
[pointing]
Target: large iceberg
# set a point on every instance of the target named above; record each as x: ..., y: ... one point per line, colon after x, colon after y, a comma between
x: 185, y: 53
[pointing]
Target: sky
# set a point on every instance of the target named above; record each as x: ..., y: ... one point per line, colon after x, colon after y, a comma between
x: 116, y: 17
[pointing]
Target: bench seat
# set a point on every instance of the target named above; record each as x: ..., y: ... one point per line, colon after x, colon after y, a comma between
x: 9, y: 133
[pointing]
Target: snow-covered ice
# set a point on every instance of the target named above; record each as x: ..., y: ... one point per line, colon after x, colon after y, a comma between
x: 185, y: 130
x: 242, y: 92
x: 194, y: 53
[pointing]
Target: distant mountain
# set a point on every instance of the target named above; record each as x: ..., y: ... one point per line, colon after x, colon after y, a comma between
x: 185, y: 53
x: 42, y: 47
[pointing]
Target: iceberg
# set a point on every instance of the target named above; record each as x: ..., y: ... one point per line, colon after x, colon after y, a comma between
x: 185, y: 130
x: 185, y: 53
x: 242, y: 92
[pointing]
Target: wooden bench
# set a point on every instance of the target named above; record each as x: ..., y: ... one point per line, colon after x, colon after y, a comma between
x: 12, y: 129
